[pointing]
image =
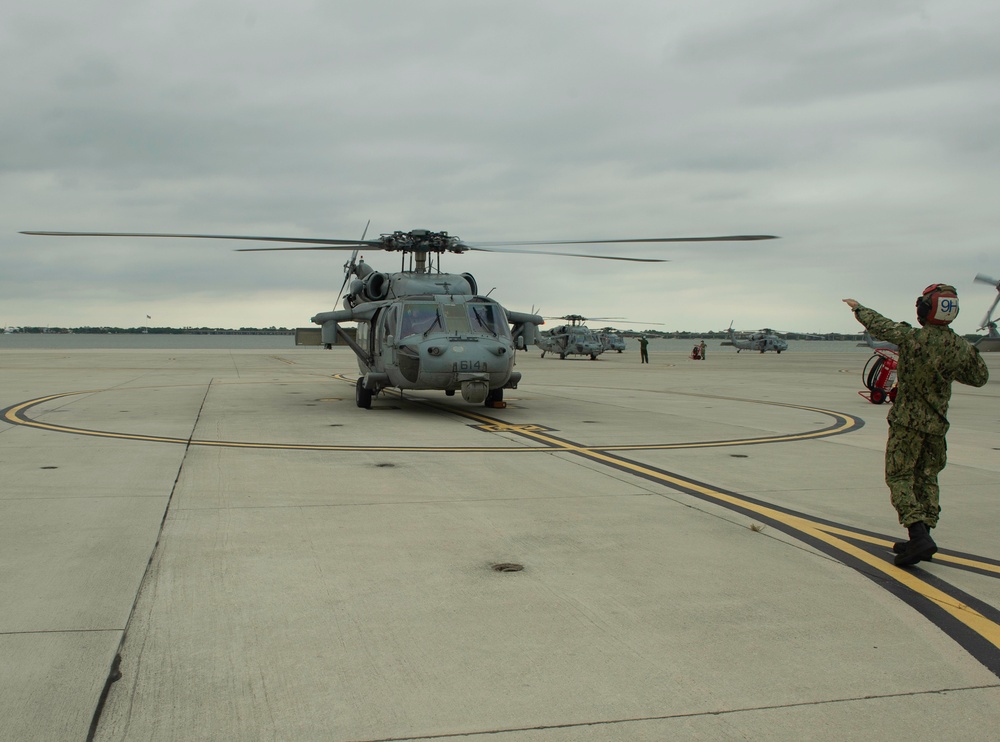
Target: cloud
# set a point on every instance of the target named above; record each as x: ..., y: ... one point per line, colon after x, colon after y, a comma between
x: 859, y: 133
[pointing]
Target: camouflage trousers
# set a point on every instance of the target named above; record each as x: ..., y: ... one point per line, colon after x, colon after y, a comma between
x: 912, y: 462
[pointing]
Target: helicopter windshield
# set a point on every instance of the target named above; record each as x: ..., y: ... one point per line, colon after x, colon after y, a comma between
x: 488, y: 318
x: 419, y: 318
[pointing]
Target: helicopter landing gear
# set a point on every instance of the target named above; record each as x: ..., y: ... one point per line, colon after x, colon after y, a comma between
x: 449, y: 392
x: 362, y: 396
x: 562, y: 356
x: 494, y: 399
x: 593, y: 356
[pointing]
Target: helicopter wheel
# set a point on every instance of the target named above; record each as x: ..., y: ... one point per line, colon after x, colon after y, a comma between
x: 362, y: 396
x: 562, y: 356
x: 593, y: 356
x: 494, y: 398
x: 449, y: 392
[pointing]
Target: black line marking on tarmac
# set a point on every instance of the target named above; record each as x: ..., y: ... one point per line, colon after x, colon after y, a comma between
x: 17, y: 414
x: 669, y: 717
x: 972, y: 624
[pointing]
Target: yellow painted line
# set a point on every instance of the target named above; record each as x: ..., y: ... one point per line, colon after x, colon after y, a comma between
x: 939, y: 557
x: 489, y: 424
x: 831, y: 535
x: 982, y: 625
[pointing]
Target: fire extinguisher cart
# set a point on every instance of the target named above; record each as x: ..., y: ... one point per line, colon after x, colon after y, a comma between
x: 879, y: 376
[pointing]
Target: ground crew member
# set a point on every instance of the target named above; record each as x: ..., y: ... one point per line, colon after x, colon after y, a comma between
x: 643, y: 354
x: 702, y: 346
x: 930, y: 359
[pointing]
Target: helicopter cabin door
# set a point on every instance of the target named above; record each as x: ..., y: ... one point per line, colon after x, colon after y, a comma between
x: 385, y: 337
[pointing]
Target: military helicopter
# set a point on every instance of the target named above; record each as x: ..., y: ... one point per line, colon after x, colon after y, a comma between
x: 991, y: 342
x: 611, y: 340
x: 421, y: 328
x: 762, y: 340
x: 574, y: 338
x: 867, y: 341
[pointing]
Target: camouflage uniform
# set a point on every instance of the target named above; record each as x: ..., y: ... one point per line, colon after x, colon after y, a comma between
x: 930, y: 359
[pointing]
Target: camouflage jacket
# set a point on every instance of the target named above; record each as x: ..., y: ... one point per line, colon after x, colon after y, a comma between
x: 930, y: 359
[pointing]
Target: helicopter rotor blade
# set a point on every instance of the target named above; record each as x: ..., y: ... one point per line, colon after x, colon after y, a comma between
x: 989, y: 312
x: 510, y: 247
x: 315, y: 243
x: 565, y: 254
x: 981, y: 278
x: 318, y: 243
x: 728, y: 238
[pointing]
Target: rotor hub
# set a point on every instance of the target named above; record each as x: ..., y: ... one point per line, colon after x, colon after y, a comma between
x: 421, y: 241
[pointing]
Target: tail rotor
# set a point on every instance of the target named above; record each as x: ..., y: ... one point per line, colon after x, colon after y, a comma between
x: 350, y: 265
x: 988, y: 319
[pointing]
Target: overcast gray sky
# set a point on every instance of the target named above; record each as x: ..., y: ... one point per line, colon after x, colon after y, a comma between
x: 863, y: 133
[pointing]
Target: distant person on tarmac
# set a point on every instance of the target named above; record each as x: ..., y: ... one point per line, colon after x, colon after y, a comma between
x: 930, y: 359
x: 643, y: 354
x: 702, y: 346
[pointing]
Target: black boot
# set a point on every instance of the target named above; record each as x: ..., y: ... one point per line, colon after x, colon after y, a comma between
x: 920, y: 546
x: 900, y: 546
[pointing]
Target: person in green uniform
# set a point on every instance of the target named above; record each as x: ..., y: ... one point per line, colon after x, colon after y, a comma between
x: 931, y: 357
x: 643, y: 353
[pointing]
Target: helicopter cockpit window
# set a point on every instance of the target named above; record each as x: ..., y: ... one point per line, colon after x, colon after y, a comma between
x: 418, y: 318
x: 457, y: 318
x: 488, y: 318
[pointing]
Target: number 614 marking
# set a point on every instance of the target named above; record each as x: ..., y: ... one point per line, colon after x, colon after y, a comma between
x: 469, y: 366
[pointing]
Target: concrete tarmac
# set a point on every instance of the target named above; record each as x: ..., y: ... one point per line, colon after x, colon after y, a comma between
x: 206, y: 545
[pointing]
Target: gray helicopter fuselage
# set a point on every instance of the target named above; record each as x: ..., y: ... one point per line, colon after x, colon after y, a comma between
x: 449, y: 342
x: 568, y: 340
x: 758, y: 341
x: 611, y: 341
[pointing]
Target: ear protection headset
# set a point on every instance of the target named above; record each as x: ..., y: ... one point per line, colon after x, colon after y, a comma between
x: 938, y: 305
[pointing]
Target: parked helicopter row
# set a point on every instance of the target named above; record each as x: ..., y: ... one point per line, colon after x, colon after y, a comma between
x: 575, y: 338
x: 424, y: 329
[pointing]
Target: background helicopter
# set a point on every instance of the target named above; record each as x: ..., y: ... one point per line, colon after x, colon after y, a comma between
x: 421, y: 328
x: 611, y: 340
x: 762, y: 340
x: 576, y: 338
x: 991, y: 342
x: 867, y: 341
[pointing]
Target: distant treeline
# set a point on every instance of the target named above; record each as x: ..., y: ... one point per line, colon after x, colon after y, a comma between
x: 674, y: 335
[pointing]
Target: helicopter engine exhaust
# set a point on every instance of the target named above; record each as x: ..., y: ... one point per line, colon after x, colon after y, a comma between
x: 376, y: 286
